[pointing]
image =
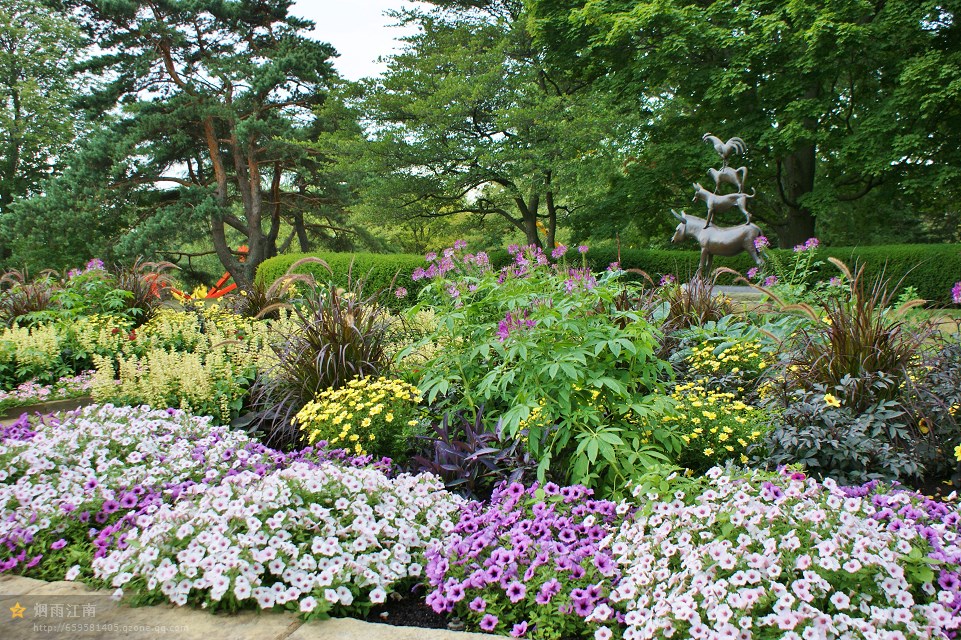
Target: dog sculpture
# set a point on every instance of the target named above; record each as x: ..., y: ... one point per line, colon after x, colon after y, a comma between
x: 730, y: 176
x: 717, y: 203
x: 717, y: 241
x: 725, y: 149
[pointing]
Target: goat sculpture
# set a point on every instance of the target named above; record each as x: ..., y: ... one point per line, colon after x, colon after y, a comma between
x: 730, y: 176
x: 717, y: 203
x: 717, y: 241
x: 725, y: 149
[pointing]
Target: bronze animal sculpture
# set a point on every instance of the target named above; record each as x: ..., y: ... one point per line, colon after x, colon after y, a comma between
x: 717, y: 241
x: 717, y: 203
x: 725, y: 149
x: 730, y: 176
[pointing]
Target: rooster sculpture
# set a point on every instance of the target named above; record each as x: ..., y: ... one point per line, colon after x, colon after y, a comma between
x: 725, y: 149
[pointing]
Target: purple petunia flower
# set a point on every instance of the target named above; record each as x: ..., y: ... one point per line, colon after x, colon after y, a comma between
x: 59, y: 544
x: 489, y: 622
x: 519, y: 630
x: 478, y: 604
x: 516, y: 592
x: 111, y: 506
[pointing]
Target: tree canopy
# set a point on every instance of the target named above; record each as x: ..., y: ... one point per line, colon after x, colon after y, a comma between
x: 848, y: 106
x: 468, y: 118
x: 208, y: 105
x: 37, y: 85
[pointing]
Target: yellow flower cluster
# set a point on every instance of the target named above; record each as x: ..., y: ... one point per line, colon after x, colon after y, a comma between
x: 36, y: 348
x: 714, y: 425
x: 104, y: 335
x: 179, y: 360
x: 368, y: 415
x: 745, y: 358
x: 209, y: 384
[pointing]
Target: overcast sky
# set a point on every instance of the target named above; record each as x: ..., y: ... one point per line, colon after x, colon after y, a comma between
x: 358, y: 29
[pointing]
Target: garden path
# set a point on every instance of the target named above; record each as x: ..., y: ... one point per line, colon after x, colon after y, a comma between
x: 28, y: 608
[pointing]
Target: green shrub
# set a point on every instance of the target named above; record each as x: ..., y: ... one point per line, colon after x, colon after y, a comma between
x: 930, y: 269
x: 547, y: 351
x: 378, y: 272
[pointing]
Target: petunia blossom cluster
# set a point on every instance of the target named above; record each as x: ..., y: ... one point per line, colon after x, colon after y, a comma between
x: 82, y: 481
x: 748, y: 556
x: 532, y: 562
x: 32, y: 392
x: 325, y: 537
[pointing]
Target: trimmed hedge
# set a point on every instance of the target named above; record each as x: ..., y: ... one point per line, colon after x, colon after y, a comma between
x: 931, y: 269
x: 377, y: 270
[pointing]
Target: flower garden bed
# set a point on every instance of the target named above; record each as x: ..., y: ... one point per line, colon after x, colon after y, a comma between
x: 198, y: 514
x: 534, y: 451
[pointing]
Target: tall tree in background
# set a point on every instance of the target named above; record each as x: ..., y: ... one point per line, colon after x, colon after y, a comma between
x: 211, y: 102
x: 469, y: 119
x: 841, y: 101
x: 37, y: 124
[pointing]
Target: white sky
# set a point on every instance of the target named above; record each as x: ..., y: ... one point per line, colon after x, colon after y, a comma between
x: 358, y: 29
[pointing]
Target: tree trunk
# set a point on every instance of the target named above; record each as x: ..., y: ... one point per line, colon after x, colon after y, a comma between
x: 529, y: 215
x: 796, y: 181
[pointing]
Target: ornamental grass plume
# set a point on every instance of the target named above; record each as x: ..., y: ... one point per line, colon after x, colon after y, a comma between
x: 857, y: 340
x: 340, y: 334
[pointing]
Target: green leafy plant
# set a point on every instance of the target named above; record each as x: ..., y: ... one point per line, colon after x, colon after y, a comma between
x: 933, y: 403
x: 536, y: 336
x: 834, y: 439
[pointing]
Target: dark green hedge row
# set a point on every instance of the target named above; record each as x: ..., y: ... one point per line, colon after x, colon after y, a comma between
x: 931, y: 269
x: 377, y: 270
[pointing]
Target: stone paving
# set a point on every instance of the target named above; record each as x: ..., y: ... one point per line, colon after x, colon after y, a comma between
x: 34, y: 610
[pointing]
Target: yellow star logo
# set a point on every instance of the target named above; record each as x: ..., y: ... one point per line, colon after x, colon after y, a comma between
x: 17, y: 611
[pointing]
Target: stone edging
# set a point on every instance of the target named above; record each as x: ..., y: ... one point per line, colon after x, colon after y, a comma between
x: 108, y: 619
x: 54, y: 406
